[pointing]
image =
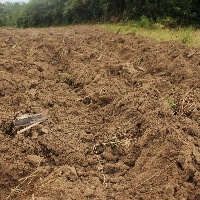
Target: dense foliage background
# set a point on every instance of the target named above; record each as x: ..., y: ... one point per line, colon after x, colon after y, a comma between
x: 39, y: 13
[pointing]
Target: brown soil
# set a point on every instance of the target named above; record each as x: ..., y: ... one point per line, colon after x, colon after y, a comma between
x: 122, y: 116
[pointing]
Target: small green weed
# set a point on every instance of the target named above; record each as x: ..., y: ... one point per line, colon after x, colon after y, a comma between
x: 173, y: 105
x: 171, y: 102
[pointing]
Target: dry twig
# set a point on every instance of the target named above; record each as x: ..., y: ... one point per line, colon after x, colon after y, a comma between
x: 21, y: 183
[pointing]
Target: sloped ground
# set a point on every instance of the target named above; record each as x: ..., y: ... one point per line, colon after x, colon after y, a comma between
x: 122, y: 116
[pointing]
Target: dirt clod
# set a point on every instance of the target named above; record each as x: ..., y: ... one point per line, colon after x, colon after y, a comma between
x: 34, y: 159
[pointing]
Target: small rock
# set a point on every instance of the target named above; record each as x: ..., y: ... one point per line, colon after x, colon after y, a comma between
x: 34, y: 159
x: 92, y: 161
x: 169, y: 190
x: 41, y: 68
x: 197, y: 156
x: 44, y: 130
x: 97, y: 78
x: 99, y: 148
x: 35, y: 135
x: 33, y: 83
x: 107, y: 155
x: 118, y: 179
x: 86, y: 137
x: 95, y: 181
x: 119, y: 188
x: 43, y: 171
x: 73, y: 170
x: 110, y: 168
x: 69, y: 173
x: 122, y: 166
x: 88, y: 192
x: 2, y: 93
x: 70, y: 176
x: 85, y: 163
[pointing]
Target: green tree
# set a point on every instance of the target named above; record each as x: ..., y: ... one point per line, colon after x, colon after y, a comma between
x: 35, y: 14
x: 9, y: 12
x: 77, y: 11
x: 38, y: 13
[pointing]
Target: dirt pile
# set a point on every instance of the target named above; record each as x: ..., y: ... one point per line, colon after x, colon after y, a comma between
x: 122, y: 116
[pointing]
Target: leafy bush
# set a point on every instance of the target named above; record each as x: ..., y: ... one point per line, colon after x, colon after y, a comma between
x: 77, y: 11
x: 168, y: 22
x: 146, y: 22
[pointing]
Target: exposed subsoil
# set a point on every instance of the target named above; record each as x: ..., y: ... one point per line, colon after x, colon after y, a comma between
x: 122, y: 116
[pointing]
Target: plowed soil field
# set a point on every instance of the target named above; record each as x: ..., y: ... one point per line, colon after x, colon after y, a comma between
x: 122, y: 116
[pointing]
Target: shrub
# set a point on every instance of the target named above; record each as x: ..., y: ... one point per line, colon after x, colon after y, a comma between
x: 146, y: 22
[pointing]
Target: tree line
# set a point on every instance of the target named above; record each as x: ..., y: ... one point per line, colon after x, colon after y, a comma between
x: 40, y: 13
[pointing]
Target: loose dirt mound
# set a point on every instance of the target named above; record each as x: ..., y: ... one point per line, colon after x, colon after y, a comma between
x: 122, y: 116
